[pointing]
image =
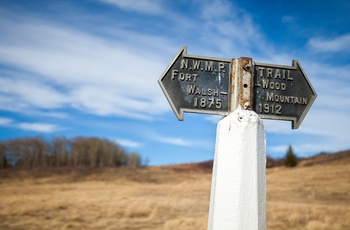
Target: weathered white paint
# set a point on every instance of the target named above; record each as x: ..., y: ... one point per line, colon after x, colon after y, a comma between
x: 238, y: 190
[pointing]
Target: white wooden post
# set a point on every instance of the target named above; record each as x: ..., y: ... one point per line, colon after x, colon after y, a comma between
x: 238, y: 190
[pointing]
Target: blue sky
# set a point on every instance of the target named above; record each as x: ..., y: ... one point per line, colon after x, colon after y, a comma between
x: 90, y: 68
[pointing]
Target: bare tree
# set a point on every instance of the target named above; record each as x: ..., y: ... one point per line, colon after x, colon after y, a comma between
x: 134, y: 160
x: 3, y: 158
x: 80, y: 151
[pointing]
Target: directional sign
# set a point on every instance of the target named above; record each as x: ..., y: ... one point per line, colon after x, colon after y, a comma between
x: 282, y: 92
x: 197, y: 84
x: 207, y: 85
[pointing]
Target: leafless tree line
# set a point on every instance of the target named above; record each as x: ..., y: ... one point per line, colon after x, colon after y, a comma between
x: 63, y: 152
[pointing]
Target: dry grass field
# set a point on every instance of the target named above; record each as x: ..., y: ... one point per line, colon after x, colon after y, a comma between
x: 173, y: 197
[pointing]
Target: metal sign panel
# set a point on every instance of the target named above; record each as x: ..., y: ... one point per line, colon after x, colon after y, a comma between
x: 197, y: 84
x: 282, y: 92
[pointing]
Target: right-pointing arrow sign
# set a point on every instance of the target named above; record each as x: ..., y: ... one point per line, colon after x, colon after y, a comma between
x: 282, y: 92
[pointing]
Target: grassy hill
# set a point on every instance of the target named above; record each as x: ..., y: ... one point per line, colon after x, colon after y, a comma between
x: 314, y: 195
x: 324, y: 158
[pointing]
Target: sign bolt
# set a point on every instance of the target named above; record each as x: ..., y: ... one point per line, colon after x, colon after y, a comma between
x: 246, y: 105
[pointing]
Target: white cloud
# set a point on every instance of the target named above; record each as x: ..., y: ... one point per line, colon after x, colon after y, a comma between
x: 170, y: 140
x: 128, y: 143
x: 31, y: 126
x: 337, y: 44
x: 5, y: 121
x: 230, y: 30
x: 31, y: 93
x: 216, y: 9
x: 97, y: 75
x: 143, y: 6
x: 105, y: 75
x: 38, y: 127
x: 174, y: 141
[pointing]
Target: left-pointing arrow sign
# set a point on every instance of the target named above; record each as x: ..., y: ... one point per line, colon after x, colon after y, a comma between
x: 197, y: 84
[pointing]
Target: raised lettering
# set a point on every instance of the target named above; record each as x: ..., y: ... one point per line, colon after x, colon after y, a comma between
x: 296, y: 100
x: 191, y: 89
x: 269, y: 96
x: 288, y: 76
x: 181, y: 76
x: 278, y: 73
x: 277, y: 86
x: 304, y: 101
x: 184, y: 63
x: 282, y: 99
x: 278, y: 109
x: 221, y: 66
x: 269, y: 73
x: 265, y: 83
x: 286, y: 99
x: 174, y: 74
x: 188, y: 77
x: 208, y: 66
x: 194, y: 77
x: 261, y: 71
x: 283, y: 86
x: 196, y: 64
x: 284, y: 74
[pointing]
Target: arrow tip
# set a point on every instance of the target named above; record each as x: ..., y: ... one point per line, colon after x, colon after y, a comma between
x: 178, y: 111
x: 296, y: 123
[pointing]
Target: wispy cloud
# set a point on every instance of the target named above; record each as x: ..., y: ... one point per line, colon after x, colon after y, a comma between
x: 94, y: 74
x: 231, y: 30
x: 5, y: 121
x: 337, y: 44
x: 29, y: 92
x: 38, y: 127
x: 128, y: 143
x: 143, y: 6
x: 104, y: 75
x: 31, y: 126
x: 170, y: 140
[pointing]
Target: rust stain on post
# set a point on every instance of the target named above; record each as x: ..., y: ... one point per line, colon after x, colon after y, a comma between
x: 242, y: 83
x: 246, y: 92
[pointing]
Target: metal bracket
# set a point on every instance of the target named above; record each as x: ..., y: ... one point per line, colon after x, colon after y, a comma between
x: 242, y: 83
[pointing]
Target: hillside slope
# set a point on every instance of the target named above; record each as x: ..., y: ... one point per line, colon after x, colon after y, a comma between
x: 168, y: 197
x: 324, y: 158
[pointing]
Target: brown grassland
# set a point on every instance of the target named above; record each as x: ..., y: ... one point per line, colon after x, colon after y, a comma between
x: 172, y: 197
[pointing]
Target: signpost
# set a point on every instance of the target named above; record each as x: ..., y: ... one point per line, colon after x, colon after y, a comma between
x: 209, y: 85
x: 243, y: 91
